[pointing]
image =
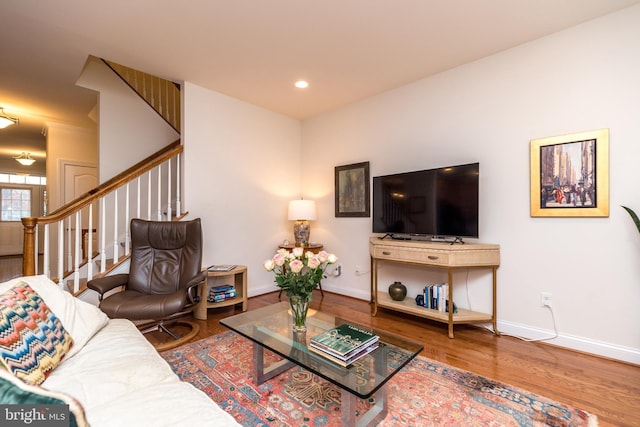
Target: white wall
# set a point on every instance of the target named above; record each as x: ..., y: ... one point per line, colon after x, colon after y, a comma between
x: 241, y: 169
x: 67, y: 144
x: 582, y: 79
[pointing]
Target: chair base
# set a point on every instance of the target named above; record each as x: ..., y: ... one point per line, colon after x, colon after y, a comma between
x: 177, y: 339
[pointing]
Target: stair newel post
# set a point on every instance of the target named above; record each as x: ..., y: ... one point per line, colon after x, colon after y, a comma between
x: 29, y: 247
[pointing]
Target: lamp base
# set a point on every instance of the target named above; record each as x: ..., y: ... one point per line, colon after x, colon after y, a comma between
x: 301, y: 230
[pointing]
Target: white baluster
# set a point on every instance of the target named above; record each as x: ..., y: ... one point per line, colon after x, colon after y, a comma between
x: 159, y: 193
x: 69, y: 246
x: 126, y: 221
x: 103, y: 234
x: 47, y: 251
x: 138, y: 197
x: 115, y: 226
x: 35, y: 252
x: 60, y: 252
x: 90, y: 244
x: 178, y: 182
x: 78, y: 252
x: 149, y: 195
x: 169, y: 190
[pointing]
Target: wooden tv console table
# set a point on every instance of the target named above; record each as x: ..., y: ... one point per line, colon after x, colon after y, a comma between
x: 440, y: 255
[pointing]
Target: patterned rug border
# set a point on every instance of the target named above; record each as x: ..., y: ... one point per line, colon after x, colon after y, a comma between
x: 453, y: 396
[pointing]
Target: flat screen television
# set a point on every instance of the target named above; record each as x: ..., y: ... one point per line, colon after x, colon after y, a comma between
x: 437, y: 203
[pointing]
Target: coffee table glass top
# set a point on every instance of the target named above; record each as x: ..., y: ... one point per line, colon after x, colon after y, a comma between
x: 271, y: 328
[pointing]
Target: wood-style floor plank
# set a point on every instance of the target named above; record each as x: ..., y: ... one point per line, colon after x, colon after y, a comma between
x: 606, y: 388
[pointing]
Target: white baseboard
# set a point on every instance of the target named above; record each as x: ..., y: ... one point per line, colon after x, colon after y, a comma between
x: 599, y: 348
x: 261, y: 291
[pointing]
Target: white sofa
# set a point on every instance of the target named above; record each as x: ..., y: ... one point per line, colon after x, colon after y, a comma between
x: 115, y: 373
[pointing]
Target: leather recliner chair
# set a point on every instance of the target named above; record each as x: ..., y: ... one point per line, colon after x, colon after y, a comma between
x: 164, y: 274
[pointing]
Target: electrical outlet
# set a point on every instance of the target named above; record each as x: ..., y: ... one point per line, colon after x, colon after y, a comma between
x: 545, y: 299
x: 337, y: 271
x: 358, y: 269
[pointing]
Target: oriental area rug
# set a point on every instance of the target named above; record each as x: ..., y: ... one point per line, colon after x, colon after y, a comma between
x: 425, y: 393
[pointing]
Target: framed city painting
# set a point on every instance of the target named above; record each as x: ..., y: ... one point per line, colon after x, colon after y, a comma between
x: 352, y: 190
x: 570, y: 175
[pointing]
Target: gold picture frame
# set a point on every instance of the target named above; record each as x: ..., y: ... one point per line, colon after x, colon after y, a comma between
x: 570, y: 175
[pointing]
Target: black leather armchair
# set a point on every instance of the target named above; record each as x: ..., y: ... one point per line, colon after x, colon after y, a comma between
x: 164, y: 273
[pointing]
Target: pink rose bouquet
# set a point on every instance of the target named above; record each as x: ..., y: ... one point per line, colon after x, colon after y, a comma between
x: 298, y: 272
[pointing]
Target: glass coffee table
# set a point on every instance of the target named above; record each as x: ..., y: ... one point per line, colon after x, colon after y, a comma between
x: 270, y: 328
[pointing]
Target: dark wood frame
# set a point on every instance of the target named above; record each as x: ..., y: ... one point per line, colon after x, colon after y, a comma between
x: 360, y: 192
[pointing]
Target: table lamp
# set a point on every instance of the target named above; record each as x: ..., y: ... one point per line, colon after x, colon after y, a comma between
x: 301, y: 211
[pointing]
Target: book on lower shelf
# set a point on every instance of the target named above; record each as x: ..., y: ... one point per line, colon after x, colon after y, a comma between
x: 436, y: 297
x: 344, y: 341
x: 222, y: 293
x: 222, y: 296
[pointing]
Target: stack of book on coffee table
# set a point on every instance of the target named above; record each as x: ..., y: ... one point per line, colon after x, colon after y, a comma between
x: 344, y: 344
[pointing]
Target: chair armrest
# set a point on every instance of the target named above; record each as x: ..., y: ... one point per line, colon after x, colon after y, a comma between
x: 199, y: 278
x: 104, y: 284
x: 192, y: 290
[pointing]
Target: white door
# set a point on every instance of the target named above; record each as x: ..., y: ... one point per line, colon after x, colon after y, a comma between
x: 78, y: 179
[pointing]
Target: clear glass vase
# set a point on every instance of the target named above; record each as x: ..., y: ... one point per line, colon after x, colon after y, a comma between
x: 299, y: 307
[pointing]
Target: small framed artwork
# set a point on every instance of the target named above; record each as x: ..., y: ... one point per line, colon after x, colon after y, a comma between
x: 352, y: 190
x: 570, y: 175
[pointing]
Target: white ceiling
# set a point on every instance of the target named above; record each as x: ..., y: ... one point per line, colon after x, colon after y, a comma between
x: 255, y: 50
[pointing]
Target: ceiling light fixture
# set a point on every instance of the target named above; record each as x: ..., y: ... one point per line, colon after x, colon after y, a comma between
x: 301, y: 84
x: 25, y: 159
x: 6, y: 120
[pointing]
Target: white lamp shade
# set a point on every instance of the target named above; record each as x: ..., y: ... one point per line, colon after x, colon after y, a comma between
x: 302, y: 209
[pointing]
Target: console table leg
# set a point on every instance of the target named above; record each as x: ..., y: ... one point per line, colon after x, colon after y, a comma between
x: 495, y: 298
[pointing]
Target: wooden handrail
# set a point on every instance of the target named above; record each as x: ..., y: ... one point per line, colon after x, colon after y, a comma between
x: 30, y: 223
x: 117, y: 181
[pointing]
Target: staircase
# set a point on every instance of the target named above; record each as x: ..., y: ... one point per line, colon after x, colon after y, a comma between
x: 160, y: 94
x: 89, y: 236
x: 151, y: 189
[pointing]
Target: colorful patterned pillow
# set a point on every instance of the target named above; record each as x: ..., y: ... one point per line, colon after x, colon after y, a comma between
x: 32, y: 339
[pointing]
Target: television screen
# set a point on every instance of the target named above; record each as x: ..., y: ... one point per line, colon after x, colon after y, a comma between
x: 439, y: 202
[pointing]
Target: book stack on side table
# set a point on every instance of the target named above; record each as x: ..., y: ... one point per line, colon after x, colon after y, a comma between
x: 221, y: 293
x: 344, y: 344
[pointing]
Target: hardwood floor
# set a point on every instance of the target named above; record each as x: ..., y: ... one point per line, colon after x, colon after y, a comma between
x: 607, y: 388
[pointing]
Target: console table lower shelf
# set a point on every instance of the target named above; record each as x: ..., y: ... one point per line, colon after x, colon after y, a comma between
x: 409, y: 306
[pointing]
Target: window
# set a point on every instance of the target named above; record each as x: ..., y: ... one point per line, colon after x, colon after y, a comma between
x: 22, y: 179
x: 15, y: 203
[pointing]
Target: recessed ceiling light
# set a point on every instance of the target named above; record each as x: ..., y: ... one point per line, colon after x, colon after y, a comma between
x: 301, y: 84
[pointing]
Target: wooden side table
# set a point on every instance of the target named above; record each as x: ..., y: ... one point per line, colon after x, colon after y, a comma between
x: 313, y: 247
x: 239, y: 274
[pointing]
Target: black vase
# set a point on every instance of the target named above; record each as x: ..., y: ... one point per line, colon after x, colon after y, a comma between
x: 397, y: 291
